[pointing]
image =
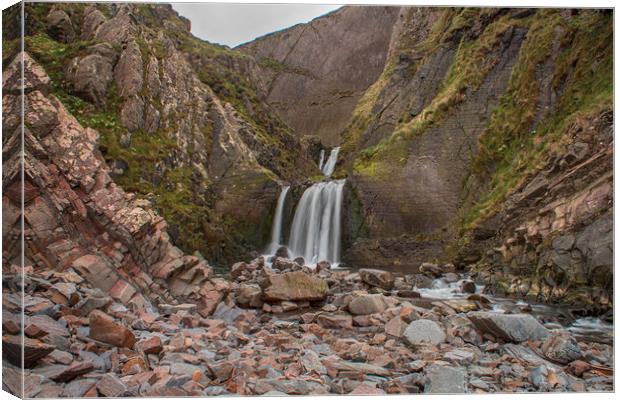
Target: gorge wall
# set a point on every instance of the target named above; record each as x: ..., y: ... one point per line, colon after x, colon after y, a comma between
x: 486, y: 139
x: 316, y: 72
x: 181, y: 124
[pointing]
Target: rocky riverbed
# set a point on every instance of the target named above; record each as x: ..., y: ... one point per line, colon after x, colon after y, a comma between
x: 284, y: 328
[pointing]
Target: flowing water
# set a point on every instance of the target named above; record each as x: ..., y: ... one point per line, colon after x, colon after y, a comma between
x: 315, y: 232
x: 276, y: 228
x: 588, y: 329
x: 321, y: 159
x: 330, y: 164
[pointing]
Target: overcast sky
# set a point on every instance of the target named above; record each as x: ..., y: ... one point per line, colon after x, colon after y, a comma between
x: 233, y: 24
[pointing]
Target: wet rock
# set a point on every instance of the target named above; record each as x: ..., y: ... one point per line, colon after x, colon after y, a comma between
x: 561, y: 347
x: 335, y: 321
x: 284, y: 264
x: 410, y: 294
x: 300, y: 261
x: 424, y: 331
x: 514, y: 327
x: 323, y: 266
x: 33, y: 349
x: 430, y: 269
x: 378, y: 278
x: 111, y: 386
x: 103, y: 328
x: 282, y: 252
x: 445, y: 379
x: 294, y: 286
x: 467, y: 286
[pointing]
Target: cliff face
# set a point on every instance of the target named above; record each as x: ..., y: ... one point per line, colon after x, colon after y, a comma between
x: 315, y: 73
x: 76, y: 220
x: 498, y: 119
x: 181, y: 123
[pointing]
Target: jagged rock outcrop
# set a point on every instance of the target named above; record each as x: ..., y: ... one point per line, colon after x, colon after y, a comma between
x: 75, y: 217
x: 182, y: 121
x: 317, y: 72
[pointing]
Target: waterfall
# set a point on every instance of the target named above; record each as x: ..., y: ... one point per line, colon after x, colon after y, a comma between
x: 328, y: 168
x: 276, y: 228
x: 321, y: 159
x: 315, y: 233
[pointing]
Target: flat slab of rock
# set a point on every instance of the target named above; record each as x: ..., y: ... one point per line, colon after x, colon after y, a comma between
x: 294, y: 286
x: 445, y: 379
x: 424, y: 331
x: 509, y: 327
x: 34, y: 350
x: 378, y: 278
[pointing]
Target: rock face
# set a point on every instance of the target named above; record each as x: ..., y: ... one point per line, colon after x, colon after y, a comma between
x: 294, y: 286
x: 316, y: 94
x: 210, y: 150
x: 513, y: 327
x: 75, y: 216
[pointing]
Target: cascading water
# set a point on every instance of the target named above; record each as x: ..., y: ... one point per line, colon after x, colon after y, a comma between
x: 315, y: 233
x: 330, y: 164
x: 276, y: 228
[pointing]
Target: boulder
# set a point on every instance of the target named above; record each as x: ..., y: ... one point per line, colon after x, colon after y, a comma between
x: 59, y: 25
x: 323, y: 266
x: 284, y: 264
x: 445, y: 379
x: 561, y: 347
x: 105, y: 329
x: 294, y: 286
x: 367, y: 304
x: 424, y: 331
x: 89, y: 77
x: 378, y: 278
x: 512, y: 327
x: 249, y: 296
x: 431, y: 269
x: 395, y: 327
x: 467, y: 286
x: 282, y: 252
